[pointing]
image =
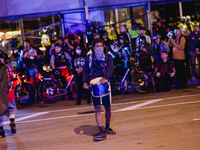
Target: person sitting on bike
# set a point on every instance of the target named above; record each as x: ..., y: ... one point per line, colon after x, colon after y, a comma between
x: 164, y: 71
x: 145, y: 52
x: 61, y: 65
x: 120, y: 59
x: 78, y: 65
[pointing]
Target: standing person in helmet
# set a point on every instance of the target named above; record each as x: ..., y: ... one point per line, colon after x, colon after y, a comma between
x: 158, y: 45
x: 144, y: 52
x: 120, y: 59
x: 61, y: 65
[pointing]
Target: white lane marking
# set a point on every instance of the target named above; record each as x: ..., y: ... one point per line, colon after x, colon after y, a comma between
x: 115, y: 104
x: 168, y: 105
x: 72, y: 116
x: 139, y: 105
x: 26, y: 117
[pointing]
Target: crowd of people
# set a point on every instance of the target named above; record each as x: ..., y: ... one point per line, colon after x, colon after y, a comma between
x: 165, y: 56
x: 179, y: 41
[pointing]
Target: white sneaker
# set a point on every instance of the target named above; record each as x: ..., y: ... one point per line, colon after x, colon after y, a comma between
x: 193, y: 79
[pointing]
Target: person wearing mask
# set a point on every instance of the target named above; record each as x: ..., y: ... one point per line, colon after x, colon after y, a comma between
x: 99, y: 64
x: 158, y: 45
x: 179, y: 58
x: 192, y: 39
x: 78, y: 65
x: 120, y: 59
x: 7, y: 98
x: 61, y: 66
x: 164, y: 71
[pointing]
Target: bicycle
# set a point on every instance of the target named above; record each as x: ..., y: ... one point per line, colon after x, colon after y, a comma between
x: 25, y: 92
x: 140, y: 80
x: 50, y: 90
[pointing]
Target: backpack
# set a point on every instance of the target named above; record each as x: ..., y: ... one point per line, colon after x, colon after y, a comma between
x: 90, y: 63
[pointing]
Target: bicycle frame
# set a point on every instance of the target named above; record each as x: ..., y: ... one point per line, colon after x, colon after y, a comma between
x: 65, y: 90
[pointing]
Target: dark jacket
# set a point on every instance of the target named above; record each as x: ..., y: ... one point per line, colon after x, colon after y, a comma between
x: 97, y: 68
x: 3, y: 90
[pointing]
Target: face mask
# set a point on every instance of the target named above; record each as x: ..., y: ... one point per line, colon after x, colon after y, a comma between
x: 78, y: 51
x: 24, y: 44
x: 99, y: 53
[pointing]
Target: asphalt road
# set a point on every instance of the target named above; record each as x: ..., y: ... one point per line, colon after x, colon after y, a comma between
x: 152, y: 121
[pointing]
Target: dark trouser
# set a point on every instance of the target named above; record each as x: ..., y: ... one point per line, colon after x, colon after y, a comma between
x: 163, y: 83
x: 180, y: 72
x: 64, y: 82
x: 187, y: 61
x: 79, y: 83
x: 47, y: 56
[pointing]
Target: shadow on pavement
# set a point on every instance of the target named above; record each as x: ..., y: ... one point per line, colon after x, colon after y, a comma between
x: 86, y: 130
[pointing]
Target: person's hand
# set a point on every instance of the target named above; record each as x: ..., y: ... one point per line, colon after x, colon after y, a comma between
x: 137, y: 54
x: 143, y: 49
x: 79, y: 70
x: 172, y: 41
x: 158, y: 74
x: 172, y: 74
x: 102, y: 81
x: 85, y: 86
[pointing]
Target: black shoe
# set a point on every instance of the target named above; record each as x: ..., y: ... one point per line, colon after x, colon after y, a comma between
x: 109, y: 131
x: 100, y: 137
x: 89, y: 102
x: 13, y: 127
x: 2, y: 133
x: 70, y: 98
x: 126, y: 92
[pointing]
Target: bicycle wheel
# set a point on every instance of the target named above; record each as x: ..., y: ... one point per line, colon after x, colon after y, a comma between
x: 25, y: 94
x: 140, y: 81
x: 49, y: 91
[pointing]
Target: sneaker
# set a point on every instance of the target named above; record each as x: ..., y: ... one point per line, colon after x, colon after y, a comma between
x: 2, y: 133
x: 193, y: 79
x: 100, y: 137
x: 109, y: 131
x: 13, y: 127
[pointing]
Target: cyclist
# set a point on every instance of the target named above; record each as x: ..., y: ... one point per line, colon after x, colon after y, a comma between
x: 120, y: 59
x: 145, y: 52
x: 58, y: 62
